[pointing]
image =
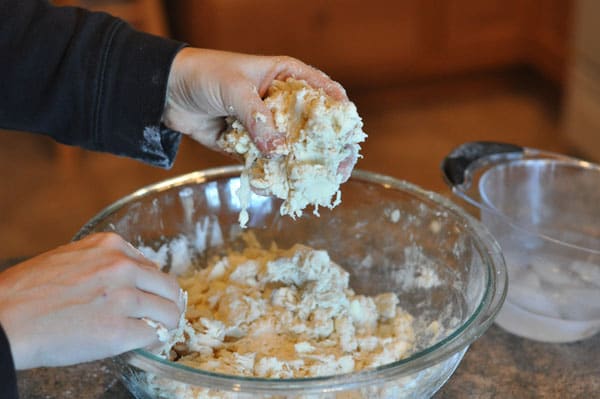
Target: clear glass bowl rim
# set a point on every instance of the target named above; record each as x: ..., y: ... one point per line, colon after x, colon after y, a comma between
x: 460, y: 339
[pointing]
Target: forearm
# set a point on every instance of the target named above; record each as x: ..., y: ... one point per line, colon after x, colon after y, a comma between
x: 86, y: 79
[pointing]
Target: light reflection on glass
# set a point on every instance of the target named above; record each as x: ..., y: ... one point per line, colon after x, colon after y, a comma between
x: 232, y: 189
x: 211, y: 192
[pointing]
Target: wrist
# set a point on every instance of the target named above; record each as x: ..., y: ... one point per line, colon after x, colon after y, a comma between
x: 174, y: 81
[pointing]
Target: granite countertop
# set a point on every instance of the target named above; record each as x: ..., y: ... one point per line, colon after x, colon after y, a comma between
x: 498, y: 365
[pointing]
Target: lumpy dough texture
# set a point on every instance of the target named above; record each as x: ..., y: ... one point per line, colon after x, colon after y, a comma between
x: 321, y: 147
x: 277, y: 313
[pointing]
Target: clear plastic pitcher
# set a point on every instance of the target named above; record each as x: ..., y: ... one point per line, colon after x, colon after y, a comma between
x: 544, y: 210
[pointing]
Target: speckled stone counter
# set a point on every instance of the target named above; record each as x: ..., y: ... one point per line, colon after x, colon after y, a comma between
x: 498, y: 365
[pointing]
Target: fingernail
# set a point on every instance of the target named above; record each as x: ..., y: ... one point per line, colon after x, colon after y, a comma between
x: 278, y: 140
x: 275, y: 146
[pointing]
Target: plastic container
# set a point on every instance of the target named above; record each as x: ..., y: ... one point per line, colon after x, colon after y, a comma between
x: 544, y: 210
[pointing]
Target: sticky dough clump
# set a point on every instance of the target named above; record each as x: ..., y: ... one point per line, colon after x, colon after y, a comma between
x: 320, y: 149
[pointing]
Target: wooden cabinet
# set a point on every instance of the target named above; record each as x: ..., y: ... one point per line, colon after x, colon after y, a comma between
x: 146, y: 15
x: 347, y: 38
x: 582, y: 105
x: 379, y: 42
x: 548, y: 37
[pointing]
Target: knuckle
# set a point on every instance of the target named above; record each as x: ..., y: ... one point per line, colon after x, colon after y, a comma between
x: 286, y: 60
x: 284, y: 66
x: 126, y: 298
x: 119, y: 264
x: 110, y: 240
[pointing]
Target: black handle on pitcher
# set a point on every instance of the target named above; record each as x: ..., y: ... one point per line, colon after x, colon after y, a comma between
x: 455, y: 165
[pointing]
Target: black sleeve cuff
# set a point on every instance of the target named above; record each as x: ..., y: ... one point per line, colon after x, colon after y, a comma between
x: 131, y: 94
x: 8, y: 376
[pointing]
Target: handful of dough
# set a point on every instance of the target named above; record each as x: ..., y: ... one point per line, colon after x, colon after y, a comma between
x: 319, y: 152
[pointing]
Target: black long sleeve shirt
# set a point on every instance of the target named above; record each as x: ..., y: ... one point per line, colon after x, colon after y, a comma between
x: 85, y: 79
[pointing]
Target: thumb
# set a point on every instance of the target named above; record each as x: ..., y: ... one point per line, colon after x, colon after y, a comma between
x: 257, y: 118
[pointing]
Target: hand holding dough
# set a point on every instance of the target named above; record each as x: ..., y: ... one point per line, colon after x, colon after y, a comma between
x: 320, y: 149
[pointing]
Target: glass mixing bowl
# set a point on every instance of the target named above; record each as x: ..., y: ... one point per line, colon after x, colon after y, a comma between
x: 390, y: 235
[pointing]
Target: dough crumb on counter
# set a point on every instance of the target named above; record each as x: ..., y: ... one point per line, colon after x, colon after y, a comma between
x: 322, y: 137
